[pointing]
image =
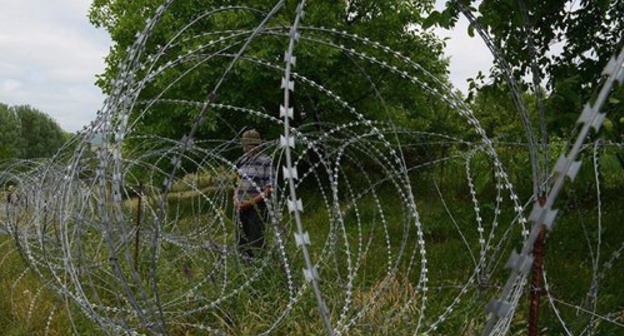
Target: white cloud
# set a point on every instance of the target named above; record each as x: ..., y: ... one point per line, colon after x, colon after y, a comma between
x: 10, y: 85
x: 49, y: 56
x: 468, y: 55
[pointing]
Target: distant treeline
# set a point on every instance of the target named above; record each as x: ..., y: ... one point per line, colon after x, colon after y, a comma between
x: 26, y: 133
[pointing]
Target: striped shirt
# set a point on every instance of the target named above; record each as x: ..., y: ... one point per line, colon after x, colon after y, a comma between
x: 254, y: 172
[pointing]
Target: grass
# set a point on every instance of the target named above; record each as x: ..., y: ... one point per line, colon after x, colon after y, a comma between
x: 248, y: 299
x: 27, y: 306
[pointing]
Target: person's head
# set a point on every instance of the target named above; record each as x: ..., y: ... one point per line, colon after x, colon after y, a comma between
x: 250, y: 140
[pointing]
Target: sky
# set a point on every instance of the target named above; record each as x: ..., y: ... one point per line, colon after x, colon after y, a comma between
x: 50, y: 54
x: 468, y: 55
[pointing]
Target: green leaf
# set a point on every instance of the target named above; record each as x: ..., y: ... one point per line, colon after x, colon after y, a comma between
x: 431, y: 20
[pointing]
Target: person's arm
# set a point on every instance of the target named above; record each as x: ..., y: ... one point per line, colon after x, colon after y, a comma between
x: 258, y: 199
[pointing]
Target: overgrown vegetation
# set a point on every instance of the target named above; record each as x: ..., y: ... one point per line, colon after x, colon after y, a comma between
x: 381, y: 290
x: 26, y: 133
x: 371, y: 232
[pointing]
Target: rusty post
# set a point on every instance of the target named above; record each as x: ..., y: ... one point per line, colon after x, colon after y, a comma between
x: 536, y: 280
x: 138, y: 226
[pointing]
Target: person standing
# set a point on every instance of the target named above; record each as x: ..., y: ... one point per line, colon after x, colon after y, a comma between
x: 255, y: 181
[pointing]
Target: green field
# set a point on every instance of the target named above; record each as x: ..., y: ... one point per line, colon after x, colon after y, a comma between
x: 384, y: 286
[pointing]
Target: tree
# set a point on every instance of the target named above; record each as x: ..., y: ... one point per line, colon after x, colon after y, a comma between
x: 254, y: 84
x: 27, y: 133
x: 11, y: 144
x: 41, y: 135
x: 565, y: 44
x: 522, y: 34
x: 568, y: 43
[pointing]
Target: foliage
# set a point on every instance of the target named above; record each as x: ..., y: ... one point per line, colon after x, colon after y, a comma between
x: 11, y: 144
x: 568, y: 43
x: 26, y: 133
x: 28, y: 306
x: 252, y: 311
x: 255, y: 86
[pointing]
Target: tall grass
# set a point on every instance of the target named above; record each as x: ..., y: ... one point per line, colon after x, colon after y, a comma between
x: 386, y: 298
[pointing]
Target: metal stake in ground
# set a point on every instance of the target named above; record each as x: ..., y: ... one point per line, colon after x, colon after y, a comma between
x: 138, y: 226
x: 536, y: 283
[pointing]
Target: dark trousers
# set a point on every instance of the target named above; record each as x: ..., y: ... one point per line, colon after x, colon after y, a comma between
x: 251, y: 235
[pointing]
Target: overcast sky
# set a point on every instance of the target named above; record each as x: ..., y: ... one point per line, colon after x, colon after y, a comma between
x: 50, y: 54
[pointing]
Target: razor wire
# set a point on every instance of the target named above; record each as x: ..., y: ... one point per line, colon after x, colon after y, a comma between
x: 536, y: 160
x: 154, y: 253
x: 567, y: 166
